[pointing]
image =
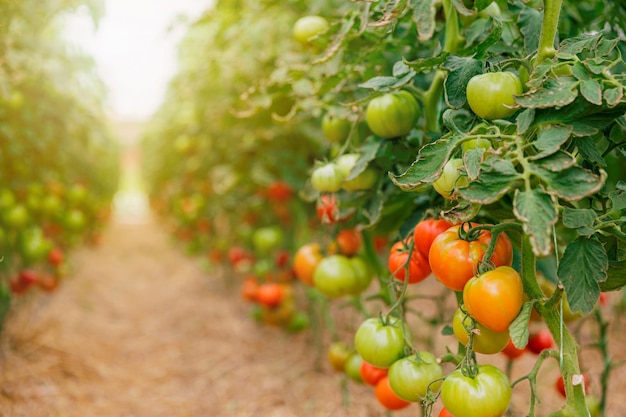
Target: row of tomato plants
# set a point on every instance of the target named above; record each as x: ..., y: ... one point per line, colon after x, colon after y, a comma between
x: 504, y: 119
x: 58, y: 160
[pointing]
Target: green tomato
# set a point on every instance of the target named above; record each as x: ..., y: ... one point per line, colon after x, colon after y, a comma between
x: 476, y: 143
x: 485, y: 341
x: 75, y: 220
x: 489, y: 94
x: 488, y: 394
x: 353, y: 367
x: 308, y: 27
x: 15, y: 217
x: 33, y: 245
x: 51, y: 205
x: 450, y: 178
x: 327, y: 178
x: 346, y: 162
x: 335, y: 129
x: 379, y: 343
x: 392, y: 114
x: 364, y: 181
x: 335, y: 277
x: 411, y: 377
x: 362, y: 273
x: 267, y: 239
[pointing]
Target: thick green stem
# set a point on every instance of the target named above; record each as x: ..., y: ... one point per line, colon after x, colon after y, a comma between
x: 549, y: 28
x: 452, y: 41
x: 562, y: 336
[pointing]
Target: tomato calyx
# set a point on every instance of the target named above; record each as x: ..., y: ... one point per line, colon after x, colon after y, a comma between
x: 471, y: 231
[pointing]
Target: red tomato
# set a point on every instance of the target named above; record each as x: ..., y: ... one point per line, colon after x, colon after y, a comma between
x: 250, y: 289
x: 282, y: 258
x: 270, y: 294
x: 279, y: 191
x: 418, y: 267
x: 387, y: 398
x: 48, y: 283
x: 445, y: 413
x: 511, y: 352
x: 55, y: 257
x: 540, y: 341
x: 349, y: 241
x: 371, y: 374
x: 454, y: 261
x: 426, y: 231
x: 559, y: 384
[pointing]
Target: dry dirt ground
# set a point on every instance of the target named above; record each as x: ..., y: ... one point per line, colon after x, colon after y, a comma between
x: 140, y: 330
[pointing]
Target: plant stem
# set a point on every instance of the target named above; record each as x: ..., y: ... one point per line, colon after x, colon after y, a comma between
x: 381, y: 272
x: 549, y: 28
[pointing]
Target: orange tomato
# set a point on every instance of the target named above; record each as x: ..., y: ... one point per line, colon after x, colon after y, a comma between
x: 305, y: 261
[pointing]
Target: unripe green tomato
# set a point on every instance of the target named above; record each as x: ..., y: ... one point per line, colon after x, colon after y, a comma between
x: 353, y: 367
x: 364, y: 181
x: 335, y: 276
x: 411, y: 377
x: 16, y: 217
x: 334, y: 128
x: 327, y: 178
x: 267, y: 239
x: 476, y: 143
x: 392, y: 114
x: 308, y: 27
x: 362, y: 273
x: 450, y: 178
x: 488, y: 94
x: 485, y: 341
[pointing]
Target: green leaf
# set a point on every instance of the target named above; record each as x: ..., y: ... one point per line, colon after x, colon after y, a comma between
x: 550, y: 140
x: 367, y: 152
x: 429, y: 163
x: 519, y: 329
x: 461, y: 8
x: 580, y: 219
x: 400, y: 68
x: 578, y: 44
x: 374, y: 209
x: 493, y: 37
x: 537, y: 211
x: 618, y: 200
x: 496, y: 179
x: 613, y: 96
x: 447, y: 330
x: 616, y: 276
x: 524, y: 120
x: 557, y: 92
x: 581, y: 269
x: 461, y: 69
x: 427, y: 63
x: 589, y: 151
x: 570, y: 184
x: 591, y: 90
x: 606, y: 46
x: 424, y: 17
x: 530, y: 25
x: 385, y: 83
x: 472, y: 159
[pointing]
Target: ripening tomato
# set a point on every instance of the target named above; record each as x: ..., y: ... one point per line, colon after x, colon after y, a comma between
x: 387, y: 398
x: 308, y: 27
x: 48, y: 283
x: 335, y: 128
x: 412, y: 377
x: 490, y: 95
x: 338, y: 275
x: 250, y: 289
x: 381, y: 343
x: 270, y: 294
x: 371, y: 374
x: 392, y: 114
x: 353, y: 367
x: 306, y: 260
x: 426, y: 231
x: 349, y: 241
x: 454, y: 261
x: 55, y: 256
x: 511, y: 351
x: 327, y: 178
x: 488, y: 394
x: 485, y: 341
x: 328, y: 209
x: 279, y: 191
x: 400, y: 259
x: 495, y: 298
x: 540, y: 341
x: 338, y: 354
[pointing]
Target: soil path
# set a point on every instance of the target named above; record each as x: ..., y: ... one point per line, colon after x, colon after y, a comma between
x: 140, y: 330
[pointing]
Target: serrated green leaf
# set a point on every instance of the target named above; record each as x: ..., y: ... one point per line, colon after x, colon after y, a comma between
x: 472, y: 159
x: 578, y: 44
x: 557, y: 92
x: 616, y: 276
x: 589, y: 151
x: 530, y: 25
x: 613, y: 96
x: 581, y: 269
x: 447, y: 330
x: 427, y: 63
x: 606, y: 46
x: 519, y: 329
x: 367, y: 152
x: 461, y: 69
x: 571, y: 184
x: 429, y: 163
x: 580, y: 219
x: 493, y: 37
x: 524, y: 120
x: 537, y: 211
x: 582, y: 129
x: 596, y: 66
x: 580, y: 72
x: 591, y: 90
x: 496, y: 179
x: 550, y: 140
x: 400, y: 69
x: 385, y: 83
x: 424, y: 17
x: 618, y: 200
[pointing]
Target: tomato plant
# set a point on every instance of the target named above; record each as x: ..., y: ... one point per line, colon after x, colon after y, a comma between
x: 334, y: 276
x: 450, y: 178
x: 327, y: 178
x: 349, y: 241
x: 308, y: 27
x: 540, y: 341
x: 335, y: 128
x: 387, y: 397
x: 412, y: 377
x: 484, y: 340
x: 426, y: 231
x: 392, y: 114
x: 338, y: 354
x: 305, y: 262
x: 371, y: 375
x: 491, y: 95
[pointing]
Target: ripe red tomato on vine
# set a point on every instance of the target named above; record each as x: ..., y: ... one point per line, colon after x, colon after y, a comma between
x: 407, y: 264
